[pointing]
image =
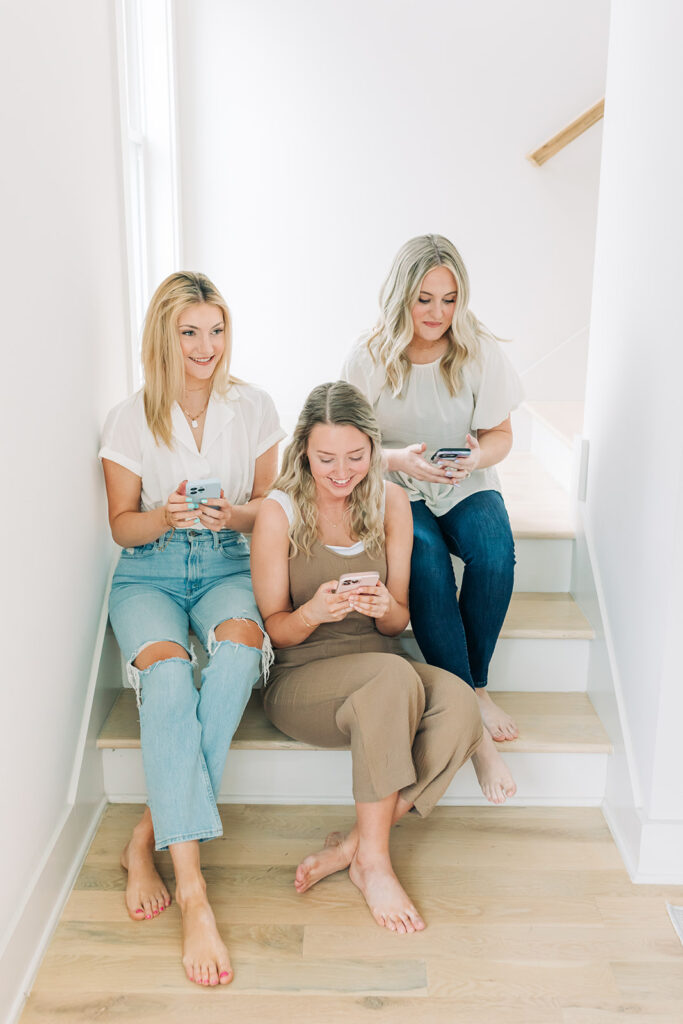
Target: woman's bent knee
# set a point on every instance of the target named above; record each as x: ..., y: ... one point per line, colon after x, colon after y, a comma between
x: 161, y: 650
x: 240, y: 631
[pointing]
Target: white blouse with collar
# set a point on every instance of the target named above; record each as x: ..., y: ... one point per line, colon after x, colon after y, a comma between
x: 238, y: 428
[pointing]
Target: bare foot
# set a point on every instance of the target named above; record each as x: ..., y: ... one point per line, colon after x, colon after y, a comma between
x: 205, y: 956
x: 494, y: 775
x: 336, y: 855
x: 497, y: 721
x: 146, y: 894
x: 386, y: 898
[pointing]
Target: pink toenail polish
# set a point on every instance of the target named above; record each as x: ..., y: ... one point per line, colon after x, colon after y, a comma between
x: 139, y: 911
x: 224, y: 974
x: 148, y: 917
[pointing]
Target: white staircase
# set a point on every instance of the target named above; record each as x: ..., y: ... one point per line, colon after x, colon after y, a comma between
x: 539, y: 671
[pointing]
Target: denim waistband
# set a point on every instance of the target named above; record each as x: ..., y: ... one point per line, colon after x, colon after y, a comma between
x: 193, y: 537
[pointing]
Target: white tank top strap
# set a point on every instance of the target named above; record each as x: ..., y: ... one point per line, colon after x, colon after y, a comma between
x: 285, y: 503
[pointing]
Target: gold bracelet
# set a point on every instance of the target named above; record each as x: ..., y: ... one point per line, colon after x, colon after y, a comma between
x: 308, y: 625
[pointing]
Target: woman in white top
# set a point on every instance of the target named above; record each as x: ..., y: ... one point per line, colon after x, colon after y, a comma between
x: 436, y: 378
x: 185, y: 562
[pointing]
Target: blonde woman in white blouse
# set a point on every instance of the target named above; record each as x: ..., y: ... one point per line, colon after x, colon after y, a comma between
x: 436, y: 378
x: 186, y: 562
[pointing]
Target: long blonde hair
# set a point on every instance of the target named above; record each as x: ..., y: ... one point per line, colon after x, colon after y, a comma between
x: 393, y: 331
x: 162, y: 358
x: 336, y: 403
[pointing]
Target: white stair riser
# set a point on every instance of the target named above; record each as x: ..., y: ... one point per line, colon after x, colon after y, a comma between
x: 536, y: 666
x: 324, y: 777
x: 553, y: 452
x: 542, y: 565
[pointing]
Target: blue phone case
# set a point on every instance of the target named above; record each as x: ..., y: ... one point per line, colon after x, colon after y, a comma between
x: 198, y: 489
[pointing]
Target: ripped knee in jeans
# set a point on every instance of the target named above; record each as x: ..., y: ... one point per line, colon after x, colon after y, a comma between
x: 150, y: 654
x: 243, y: 632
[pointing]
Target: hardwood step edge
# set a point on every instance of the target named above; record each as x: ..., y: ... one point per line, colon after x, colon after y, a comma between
x: 549, y: 704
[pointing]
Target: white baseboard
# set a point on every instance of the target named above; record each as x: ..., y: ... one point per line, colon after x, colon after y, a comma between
x: 31, y: 936
x: 27, y: 936
x: 652, y: 851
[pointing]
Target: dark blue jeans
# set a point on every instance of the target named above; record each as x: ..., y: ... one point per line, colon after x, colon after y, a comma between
x: 460, y: 636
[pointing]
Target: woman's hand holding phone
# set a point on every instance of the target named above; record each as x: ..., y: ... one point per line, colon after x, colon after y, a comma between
x: 371, y: 601
x: 326, y: 605
x: 462, y: 467
x: 410, y: 461
x: 215, y: 513
x: 179, y: 512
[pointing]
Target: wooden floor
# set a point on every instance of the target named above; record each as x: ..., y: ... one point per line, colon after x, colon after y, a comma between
x: 531, y: 920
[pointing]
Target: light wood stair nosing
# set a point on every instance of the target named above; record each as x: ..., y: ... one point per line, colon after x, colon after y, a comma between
x: 548, y: 722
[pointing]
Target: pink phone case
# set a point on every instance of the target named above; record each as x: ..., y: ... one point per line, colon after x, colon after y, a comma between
x: 353, y: 580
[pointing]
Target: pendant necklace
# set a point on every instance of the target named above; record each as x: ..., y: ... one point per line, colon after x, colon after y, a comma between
x: 329, y: 520
x: 194, y: 419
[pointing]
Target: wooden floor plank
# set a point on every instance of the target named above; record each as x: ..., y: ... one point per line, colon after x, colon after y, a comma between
x: 531, y: 920
x: 544, y: 944
x: 221, y: 1005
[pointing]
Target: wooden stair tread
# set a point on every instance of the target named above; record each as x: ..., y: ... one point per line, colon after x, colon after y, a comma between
x: 545, y: 616
x: 538, y: 506
x: 548, y: 723
x: 538, y: 616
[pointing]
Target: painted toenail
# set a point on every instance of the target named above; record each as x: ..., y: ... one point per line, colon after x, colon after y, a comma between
x: 224, y: 974
x: 139, y: 911
x: 148, y: 917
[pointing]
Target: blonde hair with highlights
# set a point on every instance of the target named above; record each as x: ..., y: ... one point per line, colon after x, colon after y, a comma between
x: 394, y: 330
x: 162, y: 357
x: 338, y: 404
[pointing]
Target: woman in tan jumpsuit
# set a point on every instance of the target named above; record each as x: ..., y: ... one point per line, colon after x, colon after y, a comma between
x: 340, y: 677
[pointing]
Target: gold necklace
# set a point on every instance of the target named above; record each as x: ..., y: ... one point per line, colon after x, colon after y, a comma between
x: 320, y: 511
x: 194, y: 420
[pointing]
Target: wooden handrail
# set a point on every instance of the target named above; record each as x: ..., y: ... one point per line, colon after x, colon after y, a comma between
x: 568, y: 134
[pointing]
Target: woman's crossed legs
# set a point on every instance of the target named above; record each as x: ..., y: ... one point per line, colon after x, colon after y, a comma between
x: 410, y: 727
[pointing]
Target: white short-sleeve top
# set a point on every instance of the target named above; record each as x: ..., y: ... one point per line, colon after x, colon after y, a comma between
x: 238, y: 428
x: 426, y: 412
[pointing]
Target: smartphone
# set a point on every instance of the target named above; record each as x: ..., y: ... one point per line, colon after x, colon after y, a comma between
x: 196, y: 490
x: 349, y: 581
x: 450, y: 453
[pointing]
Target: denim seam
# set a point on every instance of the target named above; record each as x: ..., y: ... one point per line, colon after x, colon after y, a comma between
x: 190, y: 837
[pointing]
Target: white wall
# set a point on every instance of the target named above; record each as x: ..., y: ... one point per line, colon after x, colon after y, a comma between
x: 316, y: 137
x: 64, y: 364
x: 634, y: 510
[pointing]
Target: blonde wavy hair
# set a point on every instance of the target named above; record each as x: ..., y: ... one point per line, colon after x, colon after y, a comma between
x: 162, y: 357
x: 336, y: 403
x: 393, y: 331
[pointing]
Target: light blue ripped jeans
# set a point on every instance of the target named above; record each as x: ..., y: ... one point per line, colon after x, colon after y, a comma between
x: 201, y: 578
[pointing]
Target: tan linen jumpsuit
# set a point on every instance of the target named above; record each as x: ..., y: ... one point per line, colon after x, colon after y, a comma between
x: 410, y: 726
